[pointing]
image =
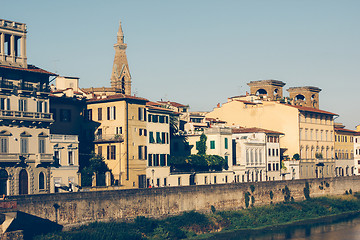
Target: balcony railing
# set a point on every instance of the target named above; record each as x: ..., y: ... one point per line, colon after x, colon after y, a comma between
x: 63, y: 138
x: 7, y: 114
x: 15, y: 157
x: 4, y: 84
x: 109, y: 138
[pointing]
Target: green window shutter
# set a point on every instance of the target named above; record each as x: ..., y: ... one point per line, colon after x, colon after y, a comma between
x: 151, y: 137
x: 226, y: 143
x: 212, y: 144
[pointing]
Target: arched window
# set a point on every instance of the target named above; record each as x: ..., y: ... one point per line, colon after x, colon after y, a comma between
x: 41, y: 181
x: 23, y: 182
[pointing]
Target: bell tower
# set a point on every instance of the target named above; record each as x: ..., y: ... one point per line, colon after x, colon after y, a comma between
x: 120, y: 76
x: 307, y: 96
x: 271, y: 89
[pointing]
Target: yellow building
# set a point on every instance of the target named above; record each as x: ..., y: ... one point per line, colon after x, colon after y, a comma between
x: 308, y: 131
x: 120, y: 137
x: 344, y: 151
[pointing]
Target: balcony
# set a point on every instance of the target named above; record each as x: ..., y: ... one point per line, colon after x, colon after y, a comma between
x: 108, y: 138
x: 43, y: 157
x: 63, y: 138
x: 25, y: 116
x: 9, y: 157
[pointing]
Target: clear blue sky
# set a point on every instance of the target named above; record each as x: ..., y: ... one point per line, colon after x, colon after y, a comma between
x: 201, y: 52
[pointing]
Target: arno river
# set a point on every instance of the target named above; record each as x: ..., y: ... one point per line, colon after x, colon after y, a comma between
x: 348, y: 229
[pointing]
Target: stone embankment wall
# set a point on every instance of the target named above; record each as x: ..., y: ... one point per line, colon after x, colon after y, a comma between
x: 69, y: 209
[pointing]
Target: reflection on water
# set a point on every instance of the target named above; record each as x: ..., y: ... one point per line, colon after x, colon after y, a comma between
x: 348, y: 229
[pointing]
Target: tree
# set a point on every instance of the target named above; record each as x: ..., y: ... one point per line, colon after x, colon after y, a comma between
x: 201, y: 145
x: 296, y: 156
x: 96, y: 165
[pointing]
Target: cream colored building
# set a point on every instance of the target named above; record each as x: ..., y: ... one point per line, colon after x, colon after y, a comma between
x: 25, y: 152
x: 344, y: 151
x: 308, y: 131
x: 120, y: 123
x: 64, y: 171
x: 357, y: 151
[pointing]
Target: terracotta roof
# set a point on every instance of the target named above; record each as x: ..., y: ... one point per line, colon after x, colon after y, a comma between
x: 254, y: 130
x: 159, y: 108
x: 153, y: 103
x: 30, y: 68
x: 345, y: 130
x: 215, y: 120
x: 174, y: 104
x: 309, y: 109
x: 116, y: 97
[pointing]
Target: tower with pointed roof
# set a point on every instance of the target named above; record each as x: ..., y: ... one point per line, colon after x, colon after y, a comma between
x: 120, y: 76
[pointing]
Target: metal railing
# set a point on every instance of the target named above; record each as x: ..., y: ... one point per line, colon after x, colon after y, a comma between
x: 108, y: 137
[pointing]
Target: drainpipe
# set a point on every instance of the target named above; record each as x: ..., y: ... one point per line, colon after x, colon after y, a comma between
x: 127, y: 140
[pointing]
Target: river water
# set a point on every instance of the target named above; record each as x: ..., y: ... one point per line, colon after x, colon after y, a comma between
x: 346, y: 229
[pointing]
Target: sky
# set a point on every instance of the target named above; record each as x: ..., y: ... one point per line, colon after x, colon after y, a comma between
x: 201, y: 52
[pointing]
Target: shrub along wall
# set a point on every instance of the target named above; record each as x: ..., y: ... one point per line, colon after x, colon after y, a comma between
x: 71, y: 209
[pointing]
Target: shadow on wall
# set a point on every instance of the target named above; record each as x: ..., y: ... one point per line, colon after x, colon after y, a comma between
x: 31, y: 225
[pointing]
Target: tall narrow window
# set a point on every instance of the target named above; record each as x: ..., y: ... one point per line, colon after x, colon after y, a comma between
x: 111, y: 113
x: 212, y: 144
x: 70, y: 157
x: 41, y: 181
x: 39, y: 106
x: 41, y: 145
x: 151, y: 137
x: 4, y: 145
x: 100, y: 150
x: 24, y: 145
x: 226, y: 143
x: 140, y: 152
x: 22, y: 105
x: 99, y: 114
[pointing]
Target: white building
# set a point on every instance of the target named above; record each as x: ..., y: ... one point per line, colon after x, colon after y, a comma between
x: 158, y: 145
x: 256, y: 155
x: 64, y: 172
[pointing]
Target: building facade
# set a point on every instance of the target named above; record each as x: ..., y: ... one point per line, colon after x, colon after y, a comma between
x: 120, y: 125
x: 25, y: 153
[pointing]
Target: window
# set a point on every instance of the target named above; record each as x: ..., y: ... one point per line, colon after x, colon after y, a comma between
x: 226, y: 143
x: 140, y: 152
x: 4, y: 145
x: 156, y: 160
x: 158, y: 139
x: 145, y: 132
x: 100, y: 150
x: 111, y: 113
x: 155, y: 118
x: 41, y: 181
x: 277, y: 152
x: 99, y: 114
x: 5, y: 103
x: 41, y: 145
x: 118, y: 130
x: 150, y: 161
x: 212, y: 144
x: 165, y: 182
x: 162, y: 159
x: 161, y: 119
x: 142, y: 114
x: 65, y: 115
x: 269, y: 166
x: 22, y: 105
x: 214, y: 179
x: 179, y: 181
x: 226, y: 158
x: 111, y: 152
x: 24, y: 145
x: 140, y: 131
x: 149, y: 117
x: 39, y: 106
x: 269, y: 153
x: 163, y: 138
x: 70, y: 157
x: 57, y: 156
x: 151, y: 137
